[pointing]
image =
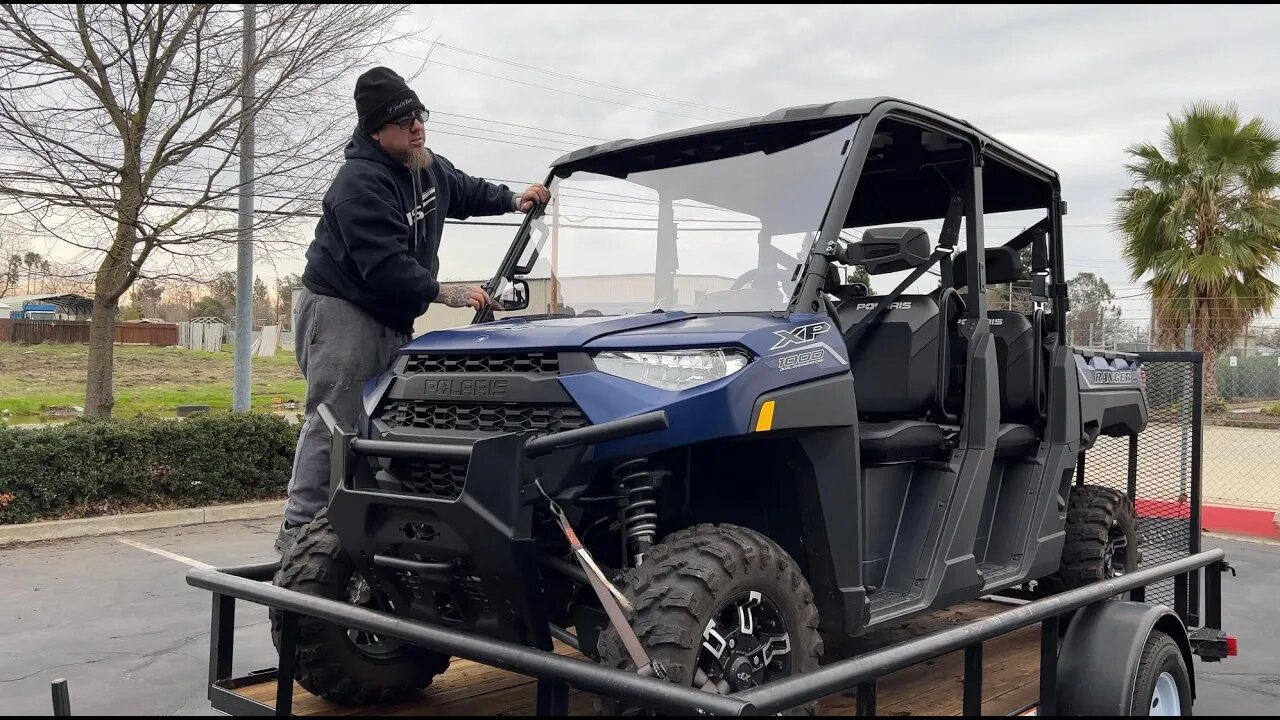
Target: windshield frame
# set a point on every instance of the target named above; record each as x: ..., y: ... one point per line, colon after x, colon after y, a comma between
x: 754, y: 139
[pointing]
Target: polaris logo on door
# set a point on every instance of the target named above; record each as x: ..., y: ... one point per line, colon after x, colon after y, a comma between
x: 800, y: 335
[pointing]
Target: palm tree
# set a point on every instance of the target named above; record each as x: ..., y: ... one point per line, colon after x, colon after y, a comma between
x: 1203, y: 218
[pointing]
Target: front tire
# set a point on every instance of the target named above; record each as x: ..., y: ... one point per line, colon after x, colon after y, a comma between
x: 340, y: 665
x: 720, y: 607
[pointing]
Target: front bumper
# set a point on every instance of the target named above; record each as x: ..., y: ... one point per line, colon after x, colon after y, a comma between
x: 468, y: 562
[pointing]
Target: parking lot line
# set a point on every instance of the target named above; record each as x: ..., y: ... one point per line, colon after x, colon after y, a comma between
x: 164, y: 553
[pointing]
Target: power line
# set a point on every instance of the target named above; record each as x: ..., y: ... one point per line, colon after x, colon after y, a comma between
x: 548, y: 87
x: 526, y: 127
x: 584, y: 80
x: 572, y: 145
x: 106, y: 135
x: 505, y: 142
x: 196, y: 186
x: 210, y: 208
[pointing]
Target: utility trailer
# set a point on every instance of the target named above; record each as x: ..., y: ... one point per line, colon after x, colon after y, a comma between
x: 721, y: 492
x: 1011, y: 654
x: 1007, y: 659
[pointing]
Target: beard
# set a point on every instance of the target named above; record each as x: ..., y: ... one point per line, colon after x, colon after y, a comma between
x: 419, y: 158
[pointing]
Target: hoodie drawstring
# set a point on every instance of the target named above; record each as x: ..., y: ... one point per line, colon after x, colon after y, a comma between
x: 415, y: 226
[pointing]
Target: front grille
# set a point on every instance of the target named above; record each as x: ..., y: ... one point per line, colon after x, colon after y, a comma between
x: 482, y: 417
x: 472, y: 588
x: 534, y: 363
x: 443, y: 480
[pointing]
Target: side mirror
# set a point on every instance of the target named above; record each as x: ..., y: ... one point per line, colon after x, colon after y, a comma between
x: 886, y: 250
x: 514, y: 297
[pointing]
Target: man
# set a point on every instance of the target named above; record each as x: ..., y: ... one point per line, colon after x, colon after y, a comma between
x: 371, y: 269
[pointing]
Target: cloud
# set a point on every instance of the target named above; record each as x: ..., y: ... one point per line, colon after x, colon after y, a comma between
x: 1071, y: 86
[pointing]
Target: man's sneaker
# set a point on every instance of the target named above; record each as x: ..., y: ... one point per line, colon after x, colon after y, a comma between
x: 288, y: 535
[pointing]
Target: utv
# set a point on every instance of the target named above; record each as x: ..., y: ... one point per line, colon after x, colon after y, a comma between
x: 689, y: 428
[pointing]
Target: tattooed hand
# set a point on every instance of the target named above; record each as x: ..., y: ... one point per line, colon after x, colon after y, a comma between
x: 459, y: 296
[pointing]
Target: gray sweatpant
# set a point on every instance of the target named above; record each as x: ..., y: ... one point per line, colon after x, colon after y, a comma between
x: 339, y: 347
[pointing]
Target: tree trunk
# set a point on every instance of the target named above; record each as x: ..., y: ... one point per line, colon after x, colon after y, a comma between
x: 112, y: 281
x: 1210, y: 379
x: 1210, y: 342
x: 99, y: 398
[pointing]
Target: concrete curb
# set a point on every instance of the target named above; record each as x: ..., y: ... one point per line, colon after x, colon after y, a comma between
x: 1229, y: 519
x: 110, y: 524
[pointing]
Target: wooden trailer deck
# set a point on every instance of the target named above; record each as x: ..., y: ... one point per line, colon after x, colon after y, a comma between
x: 1010, y: 671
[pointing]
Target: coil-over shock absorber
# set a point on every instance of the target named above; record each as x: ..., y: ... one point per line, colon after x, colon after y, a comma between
x: 638, y: 485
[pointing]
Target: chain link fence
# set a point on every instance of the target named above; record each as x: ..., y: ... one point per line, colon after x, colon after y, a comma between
x: 1242, y: 418
x: 1240, y: 397
x: 1158, y: 468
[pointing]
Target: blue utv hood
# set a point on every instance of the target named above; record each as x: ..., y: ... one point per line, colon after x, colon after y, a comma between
x: 665, y: 329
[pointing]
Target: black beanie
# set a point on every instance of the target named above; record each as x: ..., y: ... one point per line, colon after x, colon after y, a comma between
x: 381, y: 96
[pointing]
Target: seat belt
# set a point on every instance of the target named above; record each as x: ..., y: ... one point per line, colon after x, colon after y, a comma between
x: 946, y: 243
x: 897, y: 292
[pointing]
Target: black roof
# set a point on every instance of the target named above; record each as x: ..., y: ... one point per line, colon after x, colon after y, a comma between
x: 1013, y: 180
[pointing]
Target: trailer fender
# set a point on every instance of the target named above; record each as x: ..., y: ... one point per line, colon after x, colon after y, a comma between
x: 1098, y: 660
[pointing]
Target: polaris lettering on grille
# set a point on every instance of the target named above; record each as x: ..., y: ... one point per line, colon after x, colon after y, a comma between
x: 1114, y: 377
x: 466, y: 388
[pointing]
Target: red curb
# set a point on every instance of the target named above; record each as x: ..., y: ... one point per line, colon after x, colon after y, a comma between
x: 1254, y: 522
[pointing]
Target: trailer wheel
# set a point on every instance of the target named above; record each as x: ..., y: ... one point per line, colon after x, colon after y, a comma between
x: 348, y: 667
x: 721, y: 608
x: 1162, y: 685
x: 1101, y: 542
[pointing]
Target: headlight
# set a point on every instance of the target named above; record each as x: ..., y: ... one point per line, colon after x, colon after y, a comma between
x: 673, y: 369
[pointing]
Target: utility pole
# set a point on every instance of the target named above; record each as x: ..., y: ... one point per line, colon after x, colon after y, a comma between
x: 242, y: 375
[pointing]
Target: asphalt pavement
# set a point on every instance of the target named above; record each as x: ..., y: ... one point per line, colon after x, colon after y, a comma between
x: 116, y: 618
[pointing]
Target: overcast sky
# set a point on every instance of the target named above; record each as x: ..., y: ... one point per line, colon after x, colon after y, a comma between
x: 1070, y: 86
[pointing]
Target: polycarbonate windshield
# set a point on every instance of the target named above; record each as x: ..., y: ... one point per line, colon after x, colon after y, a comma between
x: 704, y: 224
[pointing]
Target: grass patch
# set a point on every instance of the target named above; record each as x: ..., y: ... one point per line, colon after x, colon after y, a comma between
x: 153, y: 380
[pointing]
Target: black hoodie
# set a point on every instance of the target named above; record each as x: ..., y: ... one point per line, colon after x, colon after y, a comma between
x: 378, y: 239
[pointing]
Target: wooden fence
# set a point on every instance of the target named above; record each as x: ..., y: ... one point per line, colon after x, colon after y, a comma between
x: 34, y: 332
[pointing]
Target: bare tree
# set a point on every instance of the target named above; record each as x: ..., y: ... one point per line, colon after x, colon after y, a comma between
x: 146, y: 296
x: 125, y: 122
x: 11, y: 254
x: 285, y: 286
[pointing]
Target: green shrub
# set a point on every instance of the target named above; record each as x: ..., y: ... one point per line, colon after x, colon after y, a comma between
x: 99, y: 467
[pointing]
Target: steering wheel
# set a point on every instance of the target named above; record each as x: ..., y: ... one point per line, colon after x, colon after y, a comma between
x: 752, y: 276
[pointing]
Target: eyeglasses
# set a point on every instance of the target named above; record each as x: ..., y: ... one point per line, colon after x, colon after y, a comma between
x: 406, y: 122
